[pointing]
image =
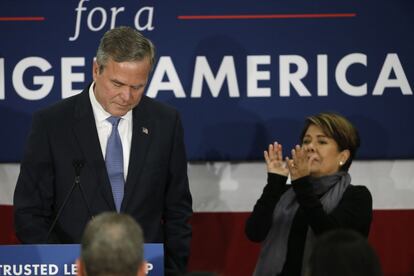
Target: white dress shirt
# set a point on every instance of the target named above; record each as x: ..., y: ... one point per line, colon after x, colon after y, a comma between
x: 105, y: 128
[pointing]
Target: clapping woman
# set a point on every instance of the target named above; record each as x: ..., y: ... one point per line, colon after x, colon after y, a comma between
x: 286, y: 218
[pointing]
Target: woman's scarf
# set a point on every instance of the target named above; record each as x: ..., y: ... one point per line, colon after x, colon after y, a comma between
x: 274, y: 248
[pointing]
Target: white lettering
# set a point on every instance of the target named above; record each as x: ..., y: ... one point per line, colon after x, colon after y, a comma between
x: 2, y: 86
x: 7, y: 270
x: 68, y: 77
x: 46, y: 82
x: 254, y: 75
x: 103, y: 19
x: 27, y: 270
x: 322, y: 75
x: 35, y: 268
x: 150, y: 267
x: 53, y: 269
x: 43, y: 269
x: 165, y: 67
x: 17, y: 270
x: 286, y: 77
x: 226, y: 71
x: 78, y: 10
x: 114, y: 14
x: 166, y: 77
x: 149, y: 25
x: 70, y: 269
x: 340, y: 75
x: 392, y: 63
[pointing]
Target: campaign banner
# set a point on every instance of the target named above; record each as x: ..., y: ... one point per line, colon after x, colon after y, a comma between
x: 60, y: 259
x: 242, y: 73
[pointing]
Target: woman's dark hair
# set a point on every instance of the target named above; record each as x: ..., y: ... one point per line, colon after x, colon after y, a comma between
x: 337, y: 127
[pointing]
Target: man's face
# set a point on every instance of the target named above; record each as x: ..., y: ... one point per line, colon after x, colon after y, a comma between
x: 120, y: 86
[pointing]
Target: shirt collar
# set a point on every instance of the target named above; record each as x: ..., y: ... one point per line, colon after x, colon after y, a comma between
x: 99, y: 112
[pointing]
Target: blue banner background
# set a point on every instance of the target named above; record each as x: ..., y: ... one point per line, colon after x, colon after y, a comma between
x: 224, y: 127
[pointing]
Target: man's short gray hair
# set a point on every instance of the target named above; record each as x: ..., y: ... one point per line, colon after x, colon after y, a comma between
x: 112, y: 244
x: 124, y: 44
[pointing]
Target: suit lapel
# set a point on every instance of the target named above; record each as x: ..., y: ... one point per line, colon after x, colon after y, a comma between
x: 87, y: 136
x: 140, y: 142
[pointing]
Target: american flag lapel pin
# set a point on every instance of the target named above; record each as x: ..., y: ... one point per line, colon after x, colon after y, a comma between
x: 145, y: 130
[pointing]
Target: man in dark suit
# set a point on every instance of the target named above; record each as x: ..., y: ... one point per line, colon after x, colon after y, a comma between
x: 126, y: 148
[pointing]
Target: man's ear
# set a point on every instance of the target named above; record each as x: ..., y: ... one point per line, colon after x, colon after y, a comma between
x: 142, y: 270
x: 80, y: 269
x: 95, y: 70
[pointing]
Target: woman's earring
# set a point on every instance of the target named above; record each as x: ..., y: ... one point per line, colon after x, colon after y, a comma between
x: 341, y: 163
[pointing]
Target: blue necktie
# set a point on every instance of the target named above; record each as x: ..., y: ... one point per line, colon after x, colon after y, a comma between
x: 115, y: 163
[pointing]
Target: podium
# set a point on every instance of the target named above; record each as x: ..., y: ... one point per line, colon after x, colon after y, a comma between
x: 59, y: 259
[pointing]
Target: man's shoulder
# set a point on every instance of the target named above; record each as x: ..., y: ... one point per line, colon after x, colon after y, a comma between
x: 60, y: 109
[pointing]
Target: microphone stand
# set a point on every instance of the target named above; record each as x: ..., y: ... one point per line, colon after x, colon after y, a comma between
x: 77, y: 164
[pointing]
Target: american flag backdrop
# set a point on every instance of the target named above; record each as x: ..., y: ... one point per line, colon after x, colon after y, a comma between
x: 224, y: 194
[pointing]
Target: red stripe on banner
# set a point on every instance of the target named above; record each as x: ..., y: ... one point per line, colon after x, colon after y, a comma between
x: 266, y: 16
x: 7, y: 235
x: 219, y: 243
x: 392, y: 237
x: 26, y: 18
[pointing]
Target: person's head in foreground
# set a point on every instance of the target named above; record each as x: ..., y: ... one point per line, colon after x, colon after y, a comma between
x: 112, y: 245
x: 330, y: 141
x: 343, y: 253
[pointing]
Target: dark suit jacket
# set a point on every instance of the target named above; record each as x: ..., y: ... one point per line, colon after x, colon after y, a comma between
x: 156, y: 190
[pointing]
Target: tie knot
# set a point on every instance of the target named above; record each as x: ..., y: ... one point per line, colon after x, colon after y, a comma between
x: 114, y: 120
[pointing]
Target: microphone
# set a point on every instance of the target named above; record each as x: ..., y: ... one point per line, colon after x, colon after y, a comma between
x: 77, y: 165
